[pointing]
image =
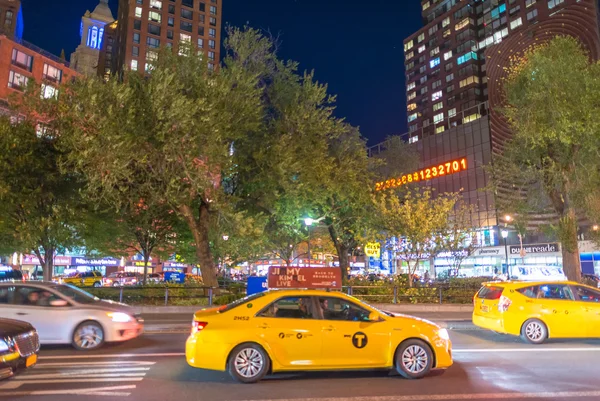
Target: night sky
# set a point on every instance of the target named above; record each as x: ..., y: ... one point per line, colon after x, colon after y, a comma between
x: 355, y: 46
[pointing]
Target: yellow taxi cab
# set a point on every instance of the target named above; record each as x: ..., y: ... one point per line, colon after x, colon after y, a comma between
x: 84, y: 279
x: 312, y: 330
x: 538, y: 310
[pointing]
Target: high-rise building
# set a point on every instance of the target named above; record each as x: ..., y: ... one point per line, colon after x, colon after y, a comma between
x: 455, y: 66
x: 86, y: 58
x: 11, y: 19
x: 146, y: 25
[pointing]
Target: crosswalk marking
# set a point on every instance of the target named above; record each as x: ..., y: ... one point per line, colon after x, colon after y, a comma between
x: 73, y: 374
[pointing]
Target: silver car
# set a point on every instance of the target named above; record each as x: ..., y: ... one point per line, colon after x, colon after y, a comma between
x: 63, y: 314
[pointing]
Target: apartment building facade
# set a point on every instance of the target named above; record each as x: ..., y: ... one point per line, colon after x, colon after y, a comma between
x: 11, y: 19
x: 144, y: 26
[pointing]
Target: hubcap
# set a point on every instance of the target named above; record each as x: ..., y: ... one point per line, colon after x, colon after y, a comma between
x: 88, y: 337
x: 414, y: 359
x: 248, y: 363
x: 534, y: 331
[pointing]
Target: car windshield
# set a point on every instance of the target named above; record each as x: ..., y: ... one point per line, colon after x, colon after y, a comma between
x: 76, y: 294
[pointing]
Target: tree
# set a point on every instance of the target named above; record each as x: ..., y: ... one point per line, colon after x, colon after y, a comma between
x: 458, y: 238
x: 552, y: 98
x: 418, y: 221
x: 40, y: 208
x: 171, y: 132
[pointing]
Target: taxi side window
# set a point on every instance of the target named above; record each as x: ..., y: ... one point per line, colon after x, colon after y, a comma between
x: 340, y: 309
x: 555, y: 291
x: 587, y: 294
x: 291, y: 308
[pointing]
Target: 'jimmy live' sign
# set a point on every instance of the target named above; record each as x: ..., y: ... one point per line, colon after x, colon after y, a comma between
x: 536, y: 248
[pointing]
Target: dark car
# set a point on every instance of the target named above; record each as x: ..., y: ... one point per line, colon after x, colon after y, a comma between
x: 19, y: 346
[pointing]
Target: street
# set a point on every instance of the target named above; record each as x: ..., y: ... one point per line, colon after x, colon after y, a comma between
x: 152, y: 367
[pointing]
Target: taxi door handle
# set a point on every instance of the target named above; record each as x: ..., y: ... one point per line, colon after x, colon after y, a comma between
x: 263, y: 326
x: 22, y: 313
x: 329, y: 328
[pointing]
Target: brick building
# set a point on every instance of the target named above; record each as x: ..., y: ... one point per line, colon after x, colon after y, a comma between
x: 146, y: 25
x: 11, y: 18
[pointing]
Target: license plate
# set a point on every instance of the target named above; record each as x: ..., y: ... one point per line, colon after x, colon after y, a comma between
x: 485, y: 308
x: 31, y: 360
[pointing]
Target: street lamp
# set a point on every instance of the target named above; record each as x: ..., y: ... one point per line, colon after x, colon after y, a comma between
x: 504, y: 234
x: 595, y: 227
x: 309, y: 222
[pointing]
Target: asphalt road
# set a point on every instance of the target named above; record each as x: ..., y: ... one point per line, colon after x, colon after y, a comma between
x: 152, y: 368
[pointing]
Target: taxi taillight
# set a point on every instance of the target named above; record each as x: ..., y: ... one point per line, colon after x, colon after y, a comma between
x: 198, y: 326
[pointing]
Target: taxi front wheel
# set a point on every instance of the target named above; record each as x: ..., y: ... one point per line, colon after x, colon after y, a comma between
x: 248, y: 363
x: 534, y: 331
x: 414, y: 359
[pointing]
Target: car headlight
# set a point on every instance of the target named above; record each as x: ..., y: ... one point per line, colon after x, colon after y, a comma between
x: 443, y: 334
x: 3, y: 347
x: 119, y: 317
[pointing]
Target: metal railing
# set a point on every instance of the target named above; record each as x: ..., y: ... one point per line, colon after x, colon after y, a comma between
x: 207, y: 296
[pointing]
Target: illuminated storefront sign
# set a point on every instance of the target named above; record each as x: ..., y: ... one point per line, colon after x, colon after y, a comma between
x: 447, y: 168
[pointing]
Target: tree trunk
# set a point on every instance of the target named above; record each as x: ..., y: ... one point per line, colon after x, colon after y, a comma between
x: 410, y: 272
x: 199, y: 228
x: 342, y: 252
x: 47, y: 263
x: 146, y: 259
x: 570, y: 246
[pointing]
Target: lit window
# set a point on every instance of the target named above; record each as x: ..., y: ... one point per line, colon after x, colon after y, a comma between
x: 516, y: 23
x: 435, y: 51
x: 17, y: 81
x: 212, y: 32
x: 409, y: 55
x: 469, y: 81
x: 138, y: 12
x: 426, y: 5
x: 412, y: 117
x: 48, y: 92
x: 438, y: 106
x: 213, y: 10
x: 211, y: 56
x: 154, y: 16
x: 185, y: 38
x: 447, y: 55
x: 200, y: 43
x: 421, y: 38
x: 411, y: 86
x: 451, y: 113
x: 440, y: 129
x: 434, y: 63
x: 411, y: 107
x: 22, y: 59
x: 446, y: 22
x: 532, y: 14
x: 52, y: 73
x: 470, y: 118
x: 466, y: 57
x: 211, y: 44
x: 447, y: 33
x: 411, y: 96
x: 554, y: 3
x: 529, y: 3
x: 436, y: 96
x: 421, y: 49
x: 463, y: 23
x: 156, y: 4
x: 134, y: 65
x: 409, y: 45
x: 413, y: 139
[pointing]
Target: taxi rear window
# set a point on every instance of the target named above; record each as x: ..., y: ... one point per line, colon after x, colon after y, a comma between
x: 490, y: 292
x: 242, y: 301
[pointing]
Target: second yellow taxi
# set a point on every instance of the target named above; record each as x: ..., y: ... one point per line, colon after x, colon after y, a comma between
x: 311, y: 330
x: 538, y: 310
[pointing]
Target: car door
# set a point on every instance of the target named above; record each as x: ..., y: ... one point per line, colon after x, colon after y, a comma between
x: 350, y: 340
x: 292, y: 331
x: 588, y: 300
x: 33, y: 305
x: 559, y: 310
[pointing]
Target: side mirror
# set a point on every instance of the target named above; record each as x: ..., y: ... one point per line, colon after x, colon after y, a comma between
x: 374, y: 317
x: 58, y: 303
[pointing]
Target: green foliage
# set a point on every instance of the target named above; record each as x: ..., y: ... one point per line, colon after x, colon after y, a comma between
x: 553, y: 94
x: 419, y: 220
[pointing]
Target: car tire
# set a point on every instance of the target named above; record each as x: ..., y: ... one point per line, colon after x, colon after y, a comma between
x: 88, y: 336
x: 97, y: 284
x: 248, y: 363
x: 534, y: 331
x: 414, y: 359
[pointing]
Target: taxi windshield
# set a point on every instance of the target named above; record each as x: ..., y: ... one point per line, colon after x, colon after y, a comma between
x: 242, y: 301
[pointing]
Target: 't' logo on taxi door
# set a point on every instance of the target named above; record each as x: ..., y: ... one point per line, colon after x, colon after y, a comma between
x: 359, y: 340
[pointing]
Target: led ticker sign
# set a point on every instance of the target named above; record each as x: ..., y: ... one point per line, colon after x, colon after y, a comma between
x: 451, y: 167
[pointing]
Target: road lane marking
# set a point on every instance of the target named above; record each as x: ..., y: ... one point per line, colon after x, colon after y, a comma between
x: 55, y: 365
x: 452, y: 397
x: 76, y: 375
x: 492, y: 350
x: 165, y: 354
x: 16, y: 383
x: 114, y: 391
x: 85, y: 372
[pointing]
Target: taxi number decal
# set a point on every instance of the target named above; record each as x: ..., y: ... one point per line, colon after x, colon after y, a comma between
x: 359, y: 340
x: 241, y: 318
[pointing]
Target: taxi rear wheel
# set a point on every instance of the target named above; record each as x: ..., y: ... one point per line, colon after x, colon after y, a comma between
x: 414, y: 359
x: 534, y: 331
x: 248, y: 363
